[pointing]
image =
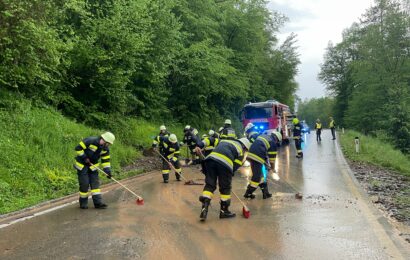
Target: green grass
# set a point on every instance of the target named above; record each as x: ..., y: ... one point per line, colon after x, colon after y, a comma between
x: 375, y: 151
x: 38, y: 150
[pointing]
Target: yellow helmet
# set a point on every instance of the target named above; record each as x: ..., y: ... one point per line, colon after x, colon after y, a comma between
x: 295, y: 121
x: 108, y: 137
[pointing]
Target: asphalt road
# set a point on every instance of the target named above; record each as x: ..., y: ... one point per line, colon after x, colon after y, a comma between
x: 334, y: 220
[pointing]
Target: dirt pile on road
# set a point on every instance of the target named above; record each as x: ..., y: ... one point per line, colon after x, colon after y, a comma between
x: 389, y: 190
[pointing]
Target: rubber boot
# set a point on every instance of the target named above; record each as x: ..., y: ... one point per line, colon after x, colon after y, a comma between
x: 265, y: 191
x: 178, y: 176
x: 98, y: 203
x: 165, y: 176
x: 249, y: 192
x: 225, y: 213
x: 83, y: 203
x: 205, y: 204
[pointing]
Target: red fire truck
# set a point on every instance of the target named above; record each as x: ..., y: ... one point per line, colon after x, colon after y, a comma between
x: 269, y: 115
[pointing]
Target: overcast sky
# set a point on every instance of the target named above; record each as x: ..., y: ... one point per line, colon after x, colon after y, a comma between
x: 316, y: 22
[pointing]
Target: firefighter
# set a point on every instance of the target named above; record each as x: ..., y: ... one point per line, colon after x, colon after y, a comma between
x: 228, y: 132
x: 169, y: 148
x: 191, y: 139
x: 220, y: 165
x: 89, y: 151
x: 332, y: 127
x: 297, y: 135
x: 208, y: 144
x: 251, y: 133
x: 318, y: 127
x: 262, y: 151
x: 162, y: 132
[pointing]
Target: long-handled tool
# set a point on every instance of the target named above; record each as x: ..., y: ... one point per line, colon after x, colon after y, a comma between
x: 245, y: 210
x: 187, y: 182
x: 298, y: 195
x: 139, y: 201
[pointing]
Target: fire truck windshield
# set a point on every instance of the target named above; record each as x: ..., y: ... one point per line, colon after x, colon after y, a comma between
x: 258, y: 112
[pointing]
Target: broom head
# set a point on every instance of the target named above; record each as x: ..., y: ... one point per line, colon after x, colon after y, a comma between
x: 246, y: 212
x: 140, y: 201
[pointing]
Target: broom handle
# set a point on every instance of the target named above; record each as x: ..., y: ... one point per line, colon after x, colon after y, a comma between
x: 243, y: 204
x: 139, y: 197
x: 170, y: 164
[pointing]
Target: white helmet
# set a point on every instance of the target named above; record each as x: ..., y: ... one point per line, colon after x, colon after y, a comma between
x: 228, y: 122
x: 245, y: 142
x: 248, y: 126
x: 108, y: 137
x: 162, y: 128
x: 173, y: 138
x: 211, y: 132
x: 204, y: 135
x: 187, y: 127
x: 220, y: 129
x: 278, y: 135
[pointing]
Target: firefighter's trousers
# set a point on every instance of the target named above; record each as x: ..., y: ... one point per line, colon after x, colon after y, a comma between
x: 89, y: 179
x: 217, y: 172
x: 166, y: 169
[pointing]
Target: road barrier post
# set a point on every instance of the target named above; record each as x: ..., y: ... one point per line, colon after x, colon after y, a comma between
x: 357, y: 144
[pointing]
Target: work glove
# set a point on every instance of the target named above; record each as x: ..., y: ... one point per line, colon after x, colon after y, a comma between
x: 87, y: 161
x: 108, y: 172
x: 181, y: 143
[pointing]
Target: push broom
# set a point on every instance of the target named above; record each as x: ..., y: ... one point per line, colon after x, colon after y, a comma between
x: 245, y: 210
x: 139, y: 201
x: 187, y: 182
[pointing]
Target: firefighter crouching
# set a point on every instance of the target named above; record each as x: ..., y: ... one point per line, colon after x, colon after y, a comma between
x: 220, y: 165
x: 263, y: 149
x: 89, y: 151
x: 297, y: 135
x: 169, y: 148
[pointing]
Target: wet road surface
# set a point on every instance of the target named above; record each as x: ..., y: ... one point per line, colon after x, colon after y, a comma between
x: 333, y: 221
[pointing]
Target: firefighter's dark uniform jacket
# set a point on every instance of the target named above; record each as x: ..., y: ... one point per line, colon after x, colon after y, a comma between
x: 156, y: 141
x: 228, y: 133
x: 191, y: 138
x: 209, y: 144
x: 168, y: 149
x: 264, y: 148
x: 90, y: 148
x: 252, y: 134
x: 229, y: 153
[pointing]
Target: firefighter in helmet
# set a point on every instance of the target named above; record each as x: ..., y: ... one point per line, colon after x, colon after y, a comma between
x: 263, y: 151
x: 220, y: 165
x: 251, y: 133
x: 89, y: 151
x: 191, y: 138
x: 228, y: 132
x: 297, y: 136
x: 169, y: 149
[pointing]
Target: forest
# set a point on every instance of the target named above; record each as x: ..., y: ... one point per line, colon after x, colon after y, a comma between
x: 185, y: 61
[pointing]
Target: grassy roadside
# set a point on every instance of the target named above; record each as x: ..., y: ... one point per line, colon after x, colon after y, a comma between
x: 38, y: 151
x: 374, y: 151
